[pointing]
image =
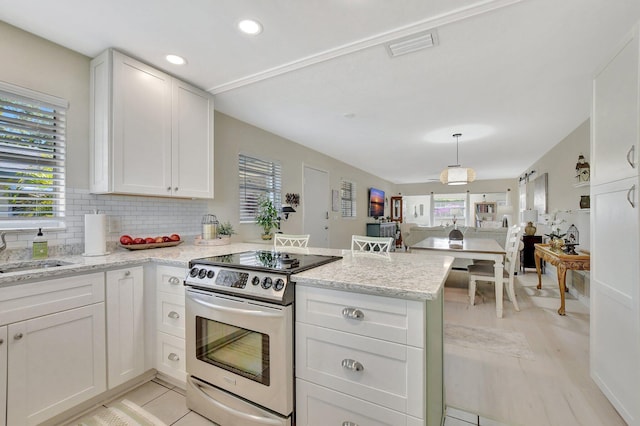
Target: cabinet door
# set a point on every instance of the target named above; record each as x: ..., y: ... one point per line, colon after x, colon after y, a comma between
x: 192, y: 142
x: 125, y: 325
x: 615, y: 116
x: 3, y: 375
x: 141, y: 128
x: 56, y: 362
x: 615, y: 301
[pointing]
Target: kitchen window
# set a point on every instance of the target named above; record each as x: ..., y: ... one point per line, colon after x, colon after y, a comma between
x: 348, y: 198
x: 32, y: 158
x: 258, y: 177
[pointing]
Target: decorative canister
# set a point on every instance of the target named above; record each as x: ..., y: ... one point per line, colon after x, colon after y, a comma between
x: 530, y: 229
x: 585, y: 202
x: 209, y: 227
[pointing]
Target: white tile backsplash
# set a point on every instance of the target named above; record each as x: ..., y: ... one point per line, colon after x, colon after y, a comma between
x: 137, y: 216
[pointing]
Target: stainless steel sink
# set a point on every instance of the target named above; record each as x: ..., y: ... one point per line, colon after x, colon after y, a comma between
x: 32, y: 265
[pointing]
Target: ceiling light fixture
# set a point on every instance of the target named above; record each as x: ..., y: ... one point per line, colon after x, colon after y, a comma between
x: 250, y: 26
x: 456, y: 175
x: 176, y: 60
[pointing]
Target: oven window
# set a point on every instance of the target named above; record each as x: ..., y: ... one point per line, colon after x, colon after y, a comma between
x: 234, y: 349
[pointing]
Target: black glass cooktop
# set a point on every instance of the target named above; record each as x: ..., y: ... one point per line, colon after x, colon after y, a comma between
x: 270, y: 261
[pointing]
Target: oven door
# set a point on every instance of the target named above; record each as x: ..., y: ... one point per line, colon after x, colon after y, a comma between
x: 242, y: 346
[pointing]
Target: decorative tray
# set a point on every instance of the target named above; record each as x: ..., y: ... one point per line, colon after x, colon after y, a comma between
x: 151, y: 245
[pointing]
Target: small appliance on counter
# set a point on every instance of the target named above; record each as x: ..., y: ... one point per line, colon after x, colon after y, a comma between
x: 209, y: 227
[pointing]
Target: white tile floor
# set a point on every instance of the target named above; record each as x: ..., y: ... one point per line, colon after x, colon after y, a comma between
x: 554, y: 388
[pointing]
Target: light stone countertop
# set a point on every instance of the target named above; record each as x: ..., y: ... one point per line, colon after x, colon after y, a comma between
x: 403, y: 275
x: 414, y: 276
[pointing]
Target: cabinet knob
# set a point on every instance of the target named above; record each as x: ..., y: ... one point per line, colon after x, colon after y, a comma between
x: 173, y: 357
x: 127, y: 273
x: 1, y: 341
x: 18, y: 336
x: 173, y: 315
x: 175, y: 189
x: 169, y: 188
x: 352, y: 313
x: 353, y: 365
x: 174, y: 280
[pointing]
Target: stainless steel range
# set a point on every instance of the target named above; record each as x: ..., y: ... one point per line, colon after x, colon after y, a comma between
x: 239, y: 336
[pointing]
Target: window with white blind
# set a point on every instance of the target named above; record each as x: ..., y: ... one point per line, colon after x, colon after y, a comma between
x: 32, y: 158
x: 257, y: 178
x: 348, y: 198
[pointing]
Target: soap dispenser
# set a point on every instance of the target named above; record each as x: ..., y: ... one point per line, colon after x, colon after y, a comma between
x: 40, y: 249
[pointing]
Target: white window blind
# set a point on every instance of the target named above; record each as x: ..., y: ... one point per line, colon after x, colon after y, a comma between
x: 258, y: 177
x: 348, y: 198
x: 32, y: 157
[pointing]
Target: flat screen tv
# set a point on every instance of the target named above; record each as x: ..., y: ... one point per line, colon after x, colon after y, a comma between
x: 376, y: 202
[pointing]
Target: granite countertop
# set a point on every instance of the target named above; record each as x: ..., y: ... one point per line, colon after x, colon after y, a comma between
x: 403, y: 275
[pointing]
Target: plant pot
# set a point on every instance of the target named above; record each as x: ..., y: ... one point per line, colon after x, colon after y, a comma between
x: 557, y: 243
x: 266, y: 236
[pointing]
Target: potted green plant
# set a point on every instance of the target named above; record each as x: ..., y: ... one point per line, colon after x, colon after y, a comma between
x: 267, y: 217
x: 225, y: 230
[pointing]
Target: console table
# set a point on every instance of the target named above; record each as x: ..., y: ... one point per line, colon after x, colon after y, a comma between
x: 563, y: 262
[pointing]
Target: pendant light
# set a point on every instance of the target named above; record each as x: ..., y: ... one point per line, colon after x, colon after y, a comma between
x: 456, y: 175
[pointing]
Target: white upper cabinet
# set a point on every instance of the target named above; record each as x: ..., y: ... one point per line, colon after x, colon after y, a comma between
x: 151, y: 134
x: 615, y: 115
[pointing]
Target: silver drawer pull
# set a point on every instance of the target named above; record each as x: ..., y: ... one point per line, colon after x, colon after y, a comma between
x: 18, y: 336
x: 352, y: 313
x: 630, y: 196
x: 348, y: 423
x: 173, y: 357
x: 630, y: 155
x: 173, y: 315
x: 352, y: 365
x: 1, y: 341
x: 174, y: 280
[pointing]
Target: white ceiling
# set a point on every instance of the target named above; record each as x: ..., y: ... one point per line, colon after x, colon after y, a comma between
x: 513, y: 76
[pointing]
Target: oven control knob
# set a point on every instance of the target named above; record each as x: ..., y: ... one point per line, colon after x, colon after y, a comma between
x: 266, y: 282
x: 255, y: 280
x: 202, y: 273
x: 279, y: 284
x: 193, y: 272
x: 210, y: 274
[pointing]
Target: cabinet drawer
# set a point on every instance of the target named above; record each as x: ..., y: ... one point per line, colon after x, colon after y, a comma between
x: 170, y: 279
x: 171, y: 314
x: 23, y: 301
x: 395, y: 320
x: 391, y: 374
x: 319, y: 406
x: 171, y: 356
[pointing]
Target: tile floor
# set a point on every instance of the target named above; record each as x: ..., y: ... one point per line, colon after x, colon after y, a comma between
x: 485, y: 388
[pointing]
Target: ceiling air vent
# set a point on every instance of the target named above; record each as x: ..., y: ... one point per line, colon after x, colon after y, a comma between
x: 412, y: 43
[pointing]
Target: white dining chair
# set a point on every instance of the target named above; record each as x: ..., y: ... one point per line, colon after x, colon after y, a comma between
x: 485, y: 272
x: 283, y: 241
x: 511, y: 230
x: 360, y: 243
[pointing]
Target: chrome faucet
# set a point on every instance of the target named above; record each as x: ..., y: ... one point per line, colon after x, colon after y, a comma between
x: 4, y: 242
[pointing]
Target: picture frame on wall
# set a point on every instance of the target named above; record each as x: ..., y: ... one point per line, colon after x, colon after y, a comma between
x: 540, y: 193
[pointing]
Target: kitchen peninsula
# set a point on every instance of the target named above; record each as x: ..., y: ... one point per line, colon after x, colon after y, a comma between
x: 388, y: 308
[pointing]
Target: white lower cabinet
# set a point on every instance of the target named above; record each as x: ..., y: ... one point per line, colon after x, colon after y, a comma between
x: 52, y: 355
x: 3, y: 375
x: 363, y: 359
x: 170, y: 322
x: 125, y: 325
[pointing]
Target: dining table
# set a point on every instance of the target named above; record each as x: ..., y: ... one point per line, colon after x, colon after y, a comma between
x: 471, y: 248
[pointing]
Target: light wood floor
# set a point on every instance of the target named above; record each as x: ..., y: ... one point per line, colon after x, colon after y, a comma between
x: 553, y: 388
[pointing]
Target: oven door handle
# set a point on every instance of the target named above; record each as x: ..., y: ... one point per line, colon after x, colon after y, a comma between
x: 251, y: 419
x: 250, y: 312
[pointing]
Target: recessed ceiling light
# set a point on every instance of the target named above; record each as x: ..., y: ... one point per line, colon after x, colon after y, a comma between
x: 250, y: 26
x: 176, y: 60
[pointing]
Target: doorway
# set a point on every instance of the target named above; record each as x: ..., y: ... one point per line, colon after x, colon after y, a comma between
x: 316, y: 206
